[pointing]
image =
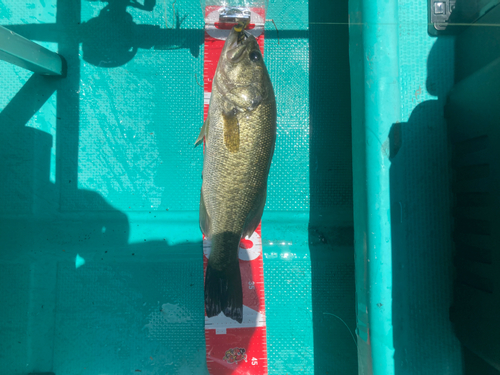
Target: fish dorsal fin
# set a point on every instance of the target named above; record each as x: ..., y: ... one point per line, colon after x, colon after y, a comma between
x: 231, y: 131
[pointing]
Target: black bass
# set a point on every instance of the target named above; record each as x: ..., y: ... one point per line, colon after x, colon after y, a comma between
x: 240, y: 134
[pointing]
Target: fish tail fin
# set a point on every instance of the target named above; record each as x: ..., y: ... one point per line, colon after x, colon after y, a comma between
x: 223, y: 292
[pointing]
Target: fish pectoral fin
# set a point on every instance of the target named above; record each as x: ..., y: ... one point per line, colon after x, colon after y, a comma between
x: 205, y: 221
x: 255, y: 215
x: 203, y: 132
x: 231, y: 131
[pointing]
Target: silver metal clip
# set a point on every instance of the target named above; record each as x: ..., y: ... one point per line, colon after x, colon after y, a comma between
x: 234, y: 15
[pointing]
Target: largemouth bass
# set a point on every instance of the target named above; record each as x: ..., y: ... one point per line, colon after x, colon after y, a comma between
x: 240, y: 134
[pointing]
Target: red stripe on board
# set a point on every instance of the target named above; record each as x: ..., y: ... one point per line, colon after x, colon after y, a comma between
x: 233, y: 348
x: 229, y: 26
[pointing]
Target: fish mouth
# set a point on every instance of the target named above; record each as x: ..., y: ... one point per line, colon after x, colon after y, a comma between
x: 240, y: 29
x: 238, y: 42
x: 242, y: 34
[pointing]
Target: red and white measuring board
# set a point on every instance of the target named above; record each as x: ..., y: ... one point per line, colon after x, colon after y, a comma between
x: 231, y: 347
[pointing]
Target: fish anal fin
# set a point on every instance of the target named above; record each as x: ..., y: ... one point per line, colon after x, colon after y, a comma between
x: 255, y: 215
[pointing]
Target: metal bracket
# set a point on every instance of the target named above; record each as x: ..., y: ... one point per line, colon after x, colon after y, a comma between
x: 440, y: 12
x: 450, y: 17
x: 234, y: 15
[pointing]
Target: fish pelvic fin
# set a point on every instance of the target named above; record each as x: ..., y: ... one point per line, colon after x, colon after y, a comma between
x: 203, y: 132
x: 223, y: 293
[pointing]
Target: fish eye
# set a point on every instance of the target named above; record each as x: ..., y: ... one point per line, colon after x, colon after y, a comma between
x: 254, y: 56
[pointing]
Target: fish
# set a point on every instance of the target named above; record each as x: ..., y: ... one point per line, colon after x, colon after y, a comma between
x: 239, y: 135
